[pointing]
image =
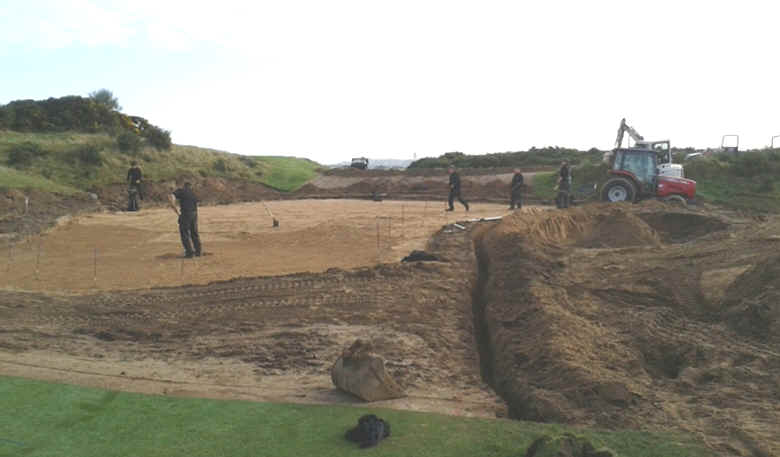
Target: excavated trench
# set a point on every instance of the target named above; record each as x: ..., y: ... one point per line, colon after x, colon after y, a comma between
x: 536, y: 345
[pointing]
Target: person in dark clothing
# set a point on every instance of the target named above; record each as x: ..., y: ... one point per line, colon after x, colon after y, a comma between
x: 564, y: 186
x: 134, y: 192
x: 188, y: 219
x: 516, y: 190
x: 455, y: 190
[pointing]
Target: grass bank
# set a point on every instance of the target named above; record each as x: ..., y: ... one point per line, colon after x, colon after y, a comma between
x: 56, y: 420
x: 86, y: 161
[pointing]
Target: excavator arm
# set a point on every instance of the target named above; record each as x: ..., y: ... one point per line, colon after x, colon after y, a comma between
x: 625, y: 128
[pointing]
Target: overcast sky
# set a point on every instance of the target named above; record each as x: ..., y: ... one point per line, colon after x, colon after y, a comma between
x: 334, y: 79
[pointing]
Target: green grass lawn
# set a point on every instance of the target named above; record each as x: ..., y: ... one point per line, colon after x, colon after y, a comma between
x: 58, y: 158
x: 45, y: 419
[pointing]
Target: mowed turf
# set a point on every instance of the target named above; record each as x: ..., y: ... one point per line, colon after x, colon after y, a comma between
x: 45, y: 419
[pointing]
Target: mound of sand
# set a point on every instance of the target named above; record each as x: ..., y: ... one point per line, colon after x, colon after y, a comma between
x: 617, y: 333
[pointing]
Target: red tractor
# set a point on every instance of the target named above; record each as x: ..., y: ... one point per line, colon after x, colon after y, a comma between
x: 645, y: 171
x: 634, y: 176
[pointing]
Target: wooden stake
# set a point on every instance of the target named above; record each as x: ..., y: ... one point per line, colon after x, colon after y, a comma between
x: 38, y: 262
x: 403, y: 229
x: 94, y: 266
x: 378, y: 252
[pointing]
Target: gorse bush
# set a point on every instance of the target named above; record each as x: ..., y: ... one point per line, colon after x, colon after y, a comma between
x: 90, y: 155
x: 160, y: 139
x: 550, y: 156
x: 128, y: 142
x: 220, y: 165
x: 87, y: 115
x: 106, y: 98
x: 23, y: 154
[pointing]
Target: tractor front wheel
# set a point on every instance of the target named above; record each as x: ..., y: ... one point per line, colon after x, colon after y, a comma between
x: 618, y: 190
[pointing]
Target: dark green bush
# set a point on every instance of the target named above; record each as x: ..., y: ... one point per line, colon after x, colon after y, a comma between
x: 128, y: 142
x: 766, y: 184
x: 546, y: 157
x: 220, y: 165
x: 90, y: 155
x: 248, y: 161
x: 22, y: 155
x: 157, y: 137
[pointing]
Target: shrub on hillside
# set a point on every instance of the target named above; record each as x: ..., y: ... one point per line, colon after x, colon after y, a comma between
x: 89, y: 154
x: 220, y: 165
x: 755, y: 163
x: 248, y: 161
x: 106, y: 98
x: 22, y: 155
x: 128, y: 142
x: 157, y: 137
x: 546, y: 157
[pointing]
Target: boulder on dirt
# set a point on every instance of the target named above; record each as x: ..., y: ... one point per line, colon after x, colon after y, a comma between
x: 566, y: 445
x: 361, y: 372
x: 420, y: 256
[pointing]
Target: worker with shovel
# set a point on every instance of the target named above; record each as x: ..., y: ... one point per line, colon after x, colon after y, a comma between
x: 134, y: 191
x: 564, y: 186
x: 516, y: 191
x: 188, y: 219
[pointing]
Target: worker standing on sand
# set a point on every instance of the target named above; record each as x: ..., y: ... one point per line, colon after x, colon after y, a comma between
x: 564, y: 186
x: 188, y: 218
x: 455, y: 190
x: 134, y: 177
x: 516, y: 190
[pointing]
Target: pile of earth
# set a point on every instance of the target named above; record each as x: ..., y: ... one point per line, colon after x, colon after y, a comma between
x: 210, y: 190
x: 599, y: 316
x: 27, y: 212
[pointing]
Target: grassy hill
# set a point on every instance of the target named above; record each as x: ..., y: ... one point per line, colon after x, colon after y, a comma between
x: 68, y: 162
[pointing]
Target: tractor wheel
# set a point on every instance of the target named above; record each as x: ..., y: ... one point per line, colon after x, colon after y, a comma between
x: 618, y: 190
x: 676, y: 200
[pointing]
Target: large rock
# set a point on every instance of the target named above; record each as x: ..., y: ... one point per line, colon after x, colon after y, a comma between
x: 361, y: 372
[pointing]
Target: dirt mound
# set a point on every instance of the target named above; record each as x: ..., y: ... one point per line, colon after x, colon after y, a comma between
x: 601, y: 226
x: 210, y: 190
x: 626, y: 337
x: 31, y: 211
x: 752, y: 303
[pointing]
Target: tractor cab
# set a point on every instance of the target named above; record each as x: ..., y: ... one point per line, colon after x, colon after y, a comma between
x: 663, y: 154
x: 359, y: 163
x: 638, y: 165
x: 636, y: 174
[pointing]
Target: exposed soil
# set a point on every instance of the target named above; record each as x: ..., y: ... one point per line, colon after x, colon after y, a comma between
x: 211, y: 191
x: 268, y: 338
x: 485, y: 185
x: 30, y: 212
x: 136, y: 250
x: 640, y: 316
